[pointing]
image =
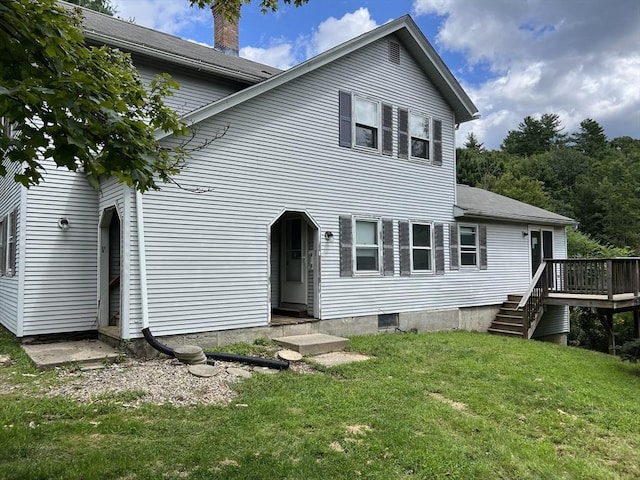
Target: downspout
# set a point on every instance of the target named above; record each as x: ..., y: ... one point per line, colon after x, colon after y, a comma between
x: 142, y: 263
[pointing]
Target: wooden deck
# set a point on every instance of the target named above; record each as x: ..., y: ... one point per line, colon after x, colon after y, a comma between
x: 619, y: 302
x: 608, y: 285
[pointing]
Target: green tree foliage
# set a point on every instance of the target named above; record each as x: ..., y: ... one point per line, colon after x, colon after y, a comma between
x: 77, y: 106
x: 535, y: 136
x: 590, y: 140
x: 102, y: 6
x: 231, y: 8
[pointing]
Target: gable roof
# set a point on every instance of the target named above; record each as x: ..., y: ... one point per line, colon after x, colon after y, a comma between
x: 409, y: 34
x: 475, y: 202
x: 103, y: 29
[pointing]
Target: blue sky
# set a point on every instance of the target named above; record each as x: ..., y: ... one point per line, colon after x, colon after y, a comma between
x: 577, y: 58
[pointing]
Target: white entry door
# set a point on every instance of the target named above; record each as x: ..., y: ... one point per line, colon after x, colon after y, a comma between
x: 294, y: 261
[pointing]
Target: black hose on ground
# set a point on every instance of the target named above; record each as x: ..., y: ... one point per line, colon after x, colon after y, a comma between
x: 225, y: 357
x: 260, y: 362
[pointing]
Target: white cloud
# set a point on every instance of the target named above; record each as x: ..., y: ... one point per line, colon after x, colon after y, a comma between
x: 575, y: 58
x: 334, y: 31
x: 329, y: 33
x: 279, y: 56
x: 166, y: 16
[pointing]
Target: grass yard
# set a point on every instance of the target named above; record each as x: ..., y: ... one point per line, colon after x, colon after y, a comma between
x: 444, y: 405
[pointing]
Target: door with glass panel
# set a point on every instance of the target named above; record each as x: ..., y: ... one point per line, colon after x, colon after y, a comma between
x: 294, y: 261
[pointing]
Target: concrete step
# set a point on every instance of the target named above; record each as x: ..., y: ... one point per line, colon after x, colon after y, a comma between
x: 81, y: 352
x: 313, y: 344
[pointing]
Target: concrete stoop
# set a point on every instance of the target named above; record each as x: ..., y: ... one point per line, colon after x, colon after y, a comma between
x: 82, y: 352
x: 313, y: 344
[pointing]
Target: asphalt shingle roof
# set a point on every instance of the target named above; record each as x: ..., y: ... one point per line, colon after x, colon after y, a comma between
x: 104, y: 29
x: 478, y: 203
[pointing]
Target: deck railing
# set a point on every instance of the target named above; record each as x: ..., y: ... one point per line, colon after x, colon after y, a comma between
x: 579, y: 276
x: 594, y: 276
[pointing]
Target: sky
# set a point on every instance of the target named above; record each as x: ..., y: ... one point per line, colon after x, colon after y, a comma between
x: 576, y: 58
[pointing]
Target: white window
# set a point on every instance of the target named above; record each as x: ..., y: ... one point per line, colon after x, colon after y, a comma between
x: 367, y: 245
x: 419, y: 135
x: 366, y: 123
x: 421, y: 250
x: 468, y: 245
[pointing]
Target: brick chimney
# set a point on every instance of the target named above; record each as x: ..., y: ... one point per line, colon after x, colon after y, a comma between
x: 225, y: 34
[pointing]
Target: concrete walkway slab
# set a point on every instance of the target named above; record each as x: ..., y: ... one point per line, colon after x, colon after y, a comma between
x: 333, y: 359
x: 313, y: 344
x: 49, y: 355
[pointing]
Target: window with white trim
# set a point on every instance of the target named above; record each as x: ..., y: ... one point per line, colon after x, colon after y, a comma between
x: 367, y: 245
x: 468, y: 245
x: 419, y: 135
x: 421, y: 248
x: 11, y: 243
x: 366, y: 114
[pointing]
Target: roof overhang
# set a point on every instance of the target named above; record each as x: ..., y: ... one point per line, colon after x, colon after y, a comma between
x: 475, y: 214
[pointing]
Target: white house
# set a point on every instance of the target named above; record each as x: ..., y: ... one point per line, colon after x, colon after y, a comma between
x: 329, y: 205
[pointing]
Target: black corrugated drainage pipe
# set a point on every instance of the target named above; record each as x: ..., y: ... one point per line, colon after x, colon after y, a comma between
x: 225, y: 357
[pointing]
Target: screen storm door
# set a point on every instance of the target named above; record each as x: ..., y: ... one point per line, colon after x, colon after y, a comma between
x: 541, y: 247
x: 294, y: 261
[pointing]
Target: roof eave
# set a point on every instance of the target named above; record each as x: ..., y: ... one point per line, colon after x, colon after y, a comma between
x: 146, y: 50
x: 459, y: 212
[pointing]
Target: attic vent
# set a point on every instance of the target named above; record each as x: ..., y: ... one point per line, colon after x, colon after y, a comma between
x: 394, y: 52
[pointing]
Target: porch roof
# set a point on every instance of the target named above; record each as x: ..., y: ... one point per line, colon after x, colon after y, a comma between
x: 475, y: 202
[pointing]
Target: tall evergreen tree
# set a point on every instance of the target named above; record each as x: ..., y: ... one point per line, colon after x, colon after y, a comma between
x: 535, y: 136
x: 590, y: 140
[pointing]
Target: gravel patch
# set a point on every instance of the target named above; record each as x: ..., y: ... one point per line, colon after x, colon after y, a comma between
x: 156, y: 381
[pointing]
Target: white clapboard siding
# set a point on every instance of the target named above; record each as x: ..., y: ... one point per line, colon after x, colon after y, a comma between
x: 60, y: 267
x: 11, y: 197
x: 208, y: 254
x: 194, y: 91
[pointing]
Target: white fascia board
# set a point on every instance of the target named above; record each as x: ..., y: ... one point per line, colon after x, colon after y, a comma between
x: 459, y: 212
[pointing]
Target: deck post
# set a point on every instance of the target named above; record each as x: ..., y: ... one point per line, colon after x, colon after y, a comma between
x: 610, y: 278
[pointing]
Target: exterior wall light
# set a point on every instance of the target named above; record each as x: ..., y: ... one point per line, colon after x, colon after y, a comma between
x: 328, y: 236
x: 524, y: 234
x: 63, y: 224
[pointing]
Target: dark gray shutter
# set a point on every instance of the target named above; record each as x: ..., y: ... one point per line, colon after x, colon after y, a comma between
x: 3, y: 245
x: 387, y: 246
x: 387, y: 129
x: 403, y: 133
x: 345, y: 119
x: 437, y: 142
x: 482, y: 232
x: 405, y: 248
x: 453, y: 247
x: 346, y: 246
x: 438, y: 230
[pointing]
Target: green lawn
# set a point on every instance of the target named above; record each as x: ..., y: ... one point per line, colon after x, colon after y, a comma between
x: 445, y: 405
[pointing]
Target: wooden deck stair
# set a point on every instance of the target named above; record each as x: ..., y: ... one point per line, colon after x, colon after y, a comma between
x: 509, y: 320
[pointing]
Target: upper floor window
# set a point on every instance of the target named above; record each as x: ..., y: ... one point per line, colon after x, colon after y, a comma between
x: 421, y: 250
x: 468, y: 245
x: 419, y: 133
x: 367, y: 123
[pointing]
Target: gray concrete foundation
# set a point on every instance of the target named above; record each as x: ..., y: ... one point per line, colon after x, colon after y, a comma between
x: 471, y: 318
